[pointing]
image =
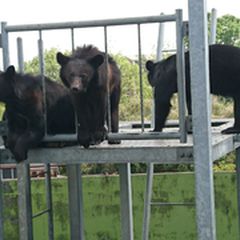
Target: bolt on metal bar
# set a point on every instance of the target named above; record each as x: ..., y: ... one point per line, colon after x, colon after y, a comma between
x: 20, y: 55
x: 181, y: 77
x: 92, y: 23
x: 140, y: 75
x: 42, y: 72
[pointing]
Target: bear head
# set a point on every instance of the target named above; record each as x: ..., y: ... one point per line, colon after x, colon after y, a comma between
x: 78, y: 74
x: 8, y: 84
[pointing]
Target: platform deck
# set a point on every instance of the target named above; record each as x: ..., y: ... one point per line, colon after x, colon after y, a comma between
x: 157, y: 151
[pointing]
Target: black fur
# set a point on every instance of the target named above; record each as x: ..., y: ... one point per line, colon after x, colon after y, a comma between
x: 224, y: 81
x: 23, y: 98
x: 85, y: 74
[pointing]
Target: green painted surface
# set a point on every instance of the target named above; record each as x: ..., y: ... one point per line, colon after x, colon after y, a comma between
x: 102, y: 209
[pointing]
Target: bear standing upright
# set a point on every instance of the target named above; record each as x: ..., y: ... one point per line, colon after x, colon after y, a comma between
x: 24, y: 110
x: 89, y: 78
x: 224, y: 66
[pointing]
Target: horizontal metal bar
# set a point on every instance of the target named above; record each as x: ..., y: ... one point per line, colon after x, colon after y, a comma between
x: 40, y: 213
x: 60, y: 138
x: 172, y: 204
x: 143, y: 136
x: 92, y: 23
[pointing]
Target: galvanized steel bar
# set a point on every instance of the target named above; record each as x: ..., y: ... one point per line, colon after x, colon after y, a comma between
x: 42, y: 72
x: 238, y: 185
x: 92, y: 23
x: 5, y: 45
x: 1, y: 210
x: 126, y: 201
x: 181, y: 76
x: 201, y: 113
x: 75, y: 196
x: 213, y: 26
x: 20, y: 55
x: 140, y: 75
x: 24, y: 202
x: 108, y: 82
x: 144, y: 135
x: 147, y: 201
x: 49, y: 201
x: 72, y: 39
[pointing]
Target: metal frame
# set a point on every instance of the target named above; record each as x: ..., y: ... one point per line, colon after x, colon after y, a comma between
x: 204, y: 149
x: 201, y: 115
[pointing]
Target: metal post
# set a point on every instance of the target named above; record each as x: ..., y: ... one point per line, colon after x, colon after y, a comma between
x: 147, y: 202
x: 72, y: 39
x: 1, y: 210
x: 213, y: 26
x: 75, y: 196
x: 238, y: 186
x: 126, y: 201
x: 42, y: 72
x: 49, y: 201
x: 181, y: 76
x: 140, y: 75
x: 24, y: 202
x: 20, y: 54
x: 5, y: 45
x: 108, y: 82
x: 202, y: 138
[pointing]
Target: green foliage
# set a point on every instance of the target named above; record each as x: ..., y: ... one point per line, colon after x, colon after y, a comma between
x: 51, y: 65
x: 228, y: 30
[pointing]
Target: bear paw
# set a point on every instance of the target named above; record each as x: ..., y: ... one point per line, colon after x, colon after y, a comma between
x: 84, y: 138
x: 231, y: 130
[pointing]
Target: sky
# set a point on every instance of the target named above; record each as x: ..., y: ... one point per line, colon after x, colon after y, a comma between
x: 121, y: 39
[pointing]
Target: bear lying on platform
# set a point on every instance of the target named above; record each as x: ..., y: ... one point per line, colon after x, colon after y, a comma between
x: 88, y: 77
x: 23, y: 98
x: 224, y: 71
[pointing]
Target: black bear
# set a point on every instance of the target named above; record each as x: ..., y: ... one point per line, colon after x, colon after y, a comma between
x: 224, y: 70
x: 24, y: 110
x: 90, y: 79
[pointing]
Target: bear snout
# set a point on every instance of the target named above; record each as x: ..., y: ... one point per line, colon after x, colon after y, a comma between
x: 78, y: 86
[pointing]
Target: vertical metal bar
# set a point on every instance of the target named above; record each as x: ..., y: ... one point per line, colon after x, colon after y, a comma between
x: 202, y: 148
x: 1, y: 210
x: 72, y: 39
x: 213, y: 26
x: 160, y: 40
x: 159, y: 57
x: 42, y: 72
x: 75, y: 196
x: 140, y: 75
x: 181, y: 77
x: 126, y: 201
x: 5, y: 45
x: 108, y: 85
x: 49, y: 201
x: 24, y: 202
x: 20, y: 54
x: 147, y: 201
x: 238, y: 186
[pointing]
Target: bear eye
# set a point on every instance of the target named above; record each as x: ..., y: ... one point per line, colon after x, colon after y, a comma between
x: 84, y: 76
x: 72, y: 74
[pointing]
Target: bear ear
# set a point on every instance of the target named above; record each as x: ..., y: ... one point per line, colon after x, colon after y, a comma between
x: 96, y: 61
x: 62, y: 59
x: 10, y: 72
x: 149, y: 65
